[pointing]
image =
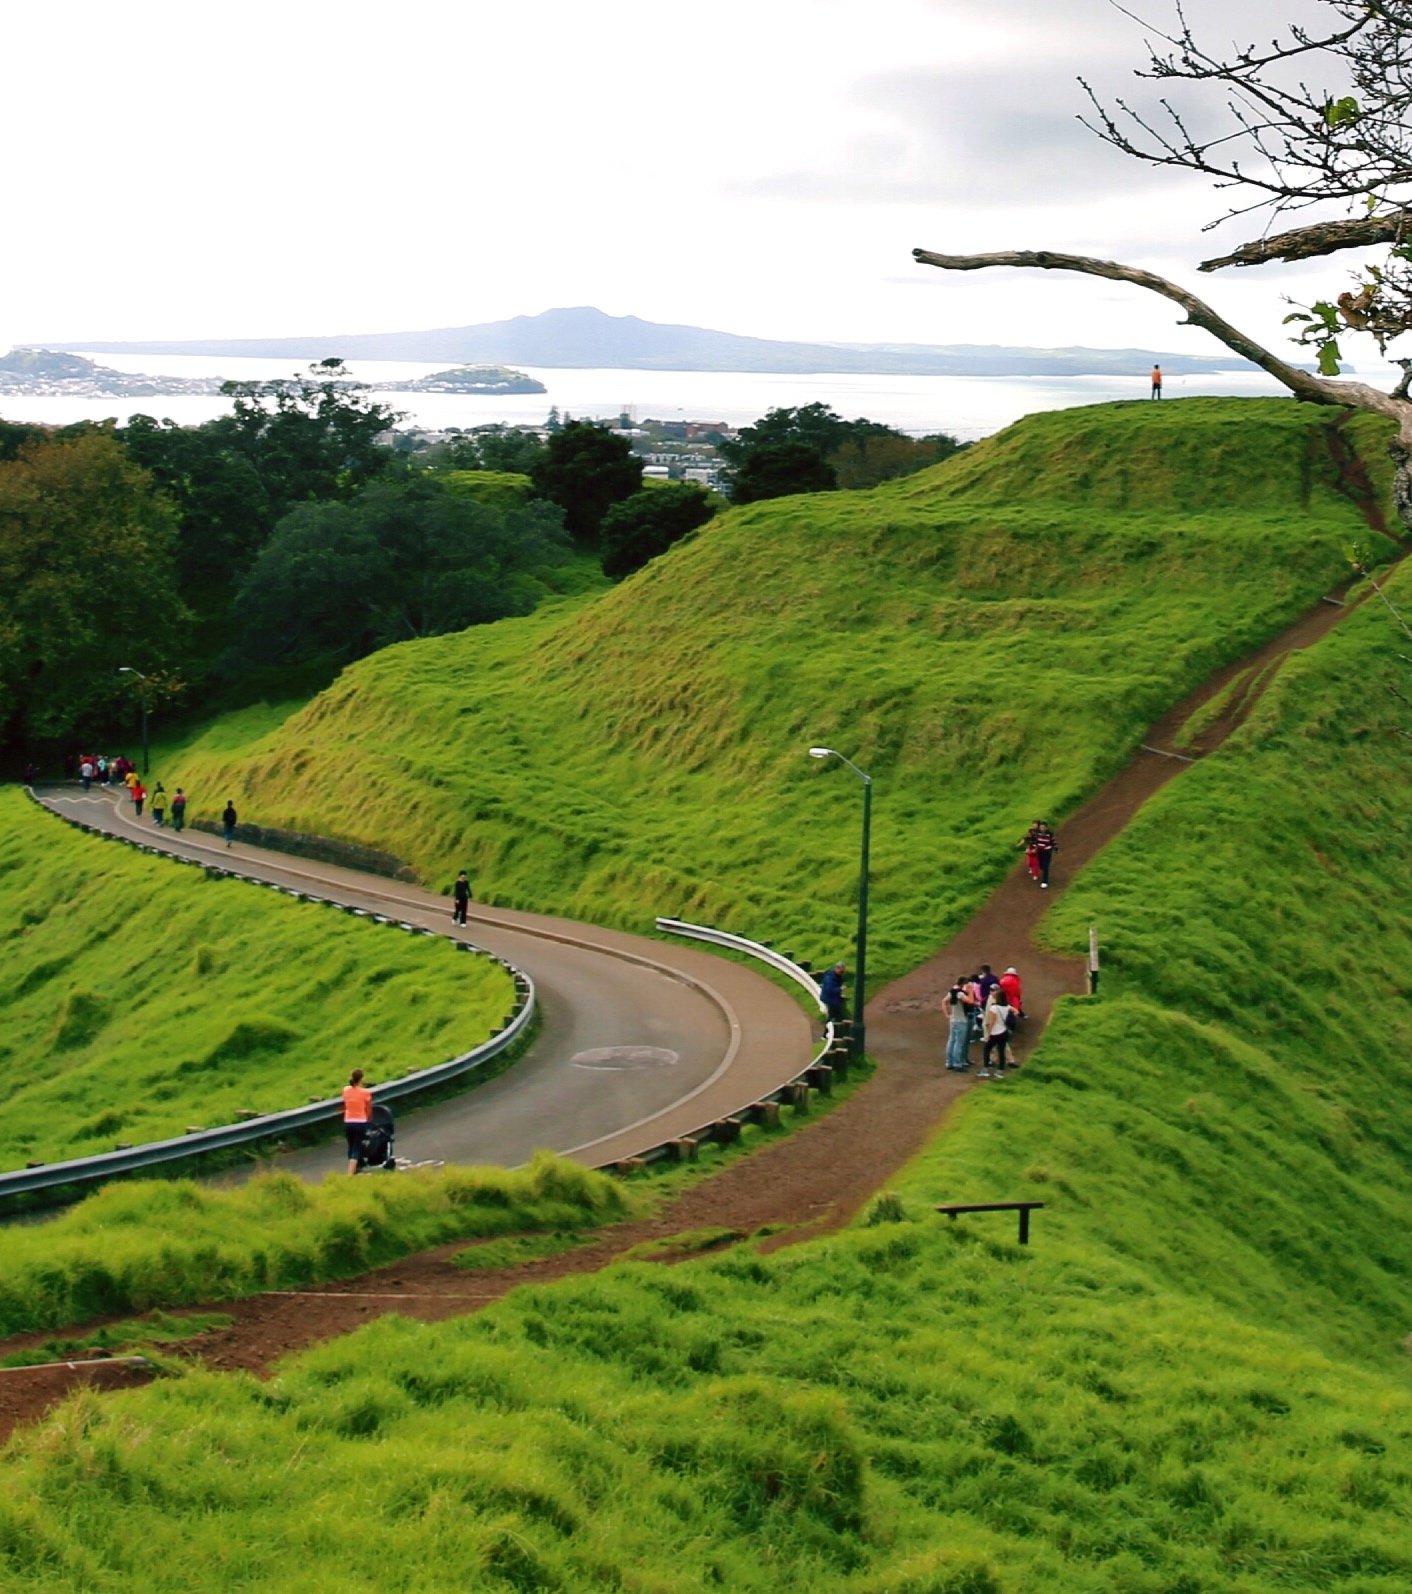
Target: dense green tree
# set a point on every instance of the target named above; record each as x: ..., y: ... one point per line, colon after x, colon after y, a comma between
x: 586, y: 469
x: 779, y: 469
x: 816, y: 426
x: 313, y: 438
x: 647, y: 524
x: 858, y: 453
x: 88, y: 572
x: 883, y: 456
x: 404, y: 559
x: 503, y: 448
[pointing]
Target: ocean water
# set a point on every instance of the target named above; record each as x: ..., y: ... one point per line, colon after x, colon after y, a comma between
x: 968, y: 407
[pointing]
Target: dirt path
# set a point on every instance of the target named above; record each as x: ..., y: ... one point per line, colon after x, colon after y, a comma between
x: 805, y: 1184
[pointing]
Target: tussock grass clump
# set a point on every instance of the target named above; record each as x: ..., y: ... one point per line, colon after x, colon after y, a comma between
x: 988, y: 639
x: 141, y: 997
x: 172, y: 1242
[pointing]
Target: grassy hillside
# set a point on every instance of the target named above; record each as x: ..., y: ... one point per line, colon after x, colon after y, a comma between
x: 987, y: 639
x: 1194, y: 1381
x: 140, y: 997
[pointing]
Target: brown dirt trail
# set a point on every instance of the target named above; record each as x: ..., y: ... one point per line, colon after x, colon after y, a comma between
x: 806, y: 1183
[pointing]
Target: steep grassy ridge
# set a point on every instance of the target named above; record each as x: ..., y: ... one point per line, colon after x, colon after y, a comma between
x: 140, y: 997
x: 987, y: 639
x: 1192, y: 1382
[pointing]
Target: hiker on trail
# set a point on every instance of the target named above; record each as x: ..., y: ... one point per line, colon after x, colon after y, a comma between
x: 1045, y: 846
x: 229, y: 820
x: 1027, y: 842
x: 986, y: 981
x: 1010, y: 984
x: 831, y: 993
x: 1157, y: 381
x: 159, y: 805
x: 956, y: 1004
x: 996, y: 1026
x: 461, y: 898
x: 139, y: 796
x: 179, y: 809
x: 357, y: 1115
x: 85, y: 774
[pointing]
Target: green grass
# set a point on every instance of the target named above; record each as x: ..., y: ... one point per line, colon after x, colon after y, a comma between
x: 988, y: 639
x: 142, y: 1245
x: 1195, y: 1380
x: 141, y: 997
x: 155, y: 1332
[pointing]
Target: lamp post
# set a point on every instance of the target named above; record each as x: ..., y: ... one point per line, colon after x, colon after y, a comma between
x: 127, y: 669
x: 860, y: 960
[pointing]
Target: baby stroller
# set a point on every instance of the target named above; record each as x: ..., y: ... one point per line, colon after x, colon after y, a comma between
x: 377, y: 1143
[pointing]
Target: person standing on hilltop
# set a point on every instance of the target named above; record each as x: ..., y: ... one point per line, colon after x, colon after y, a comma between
x: 1157, y: 381
x: 460, y: 898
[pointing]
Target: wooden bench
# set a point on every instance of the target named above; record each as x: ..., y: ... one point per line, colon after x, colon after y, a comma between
x: 1024, y: 1208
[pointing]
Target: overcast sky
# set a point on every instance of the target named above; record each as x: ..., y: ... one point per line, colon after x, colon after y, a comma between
x: 183, y: 169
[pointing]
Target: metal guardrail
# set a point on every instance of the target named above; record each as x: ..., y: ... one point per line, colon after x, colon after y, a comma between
x: 816, y: 1068
x: 761, y: 950
x: 105, y: 1165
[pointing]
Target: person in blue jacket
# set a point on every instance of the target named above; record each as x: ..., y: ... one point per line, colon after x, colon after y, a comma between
x: 831, y: 993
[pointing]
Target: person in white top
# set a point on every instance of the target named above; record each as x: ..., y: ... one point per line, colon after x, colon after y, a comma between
x: 995, y: 1029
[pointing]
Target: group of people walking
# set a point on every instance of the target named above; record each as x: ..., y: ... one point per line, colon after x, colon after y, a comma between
x: 984, y: 1007
x: 93, y: 768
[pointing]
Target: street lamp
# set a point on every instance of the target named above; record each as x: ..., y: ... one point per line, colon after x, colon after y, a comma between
x: 127, y: 669
x: 861, y: 953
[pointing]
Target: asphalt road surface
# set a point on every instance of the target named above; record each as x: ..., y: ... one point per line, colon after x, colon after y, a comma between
x: 640, y: 1041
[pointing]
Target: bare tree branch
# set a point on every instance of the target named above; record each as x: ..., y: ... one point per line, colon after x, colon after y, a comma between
x: 1320, y: 238
x: 1303, y: 384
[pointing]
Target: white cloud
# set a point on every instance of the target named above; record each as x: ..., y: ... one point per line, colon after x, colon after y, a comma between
x: 761, y: 166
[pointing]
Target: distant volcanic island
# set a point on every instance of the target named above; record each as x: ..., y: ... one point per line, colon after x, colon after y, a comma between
x: 43, y: 371
x: 468, y: 379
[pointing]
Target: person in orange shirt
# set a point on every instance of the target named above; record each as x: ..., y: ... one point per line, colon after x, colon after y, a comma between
x: 357, y: 1115
x: 1157, y: 381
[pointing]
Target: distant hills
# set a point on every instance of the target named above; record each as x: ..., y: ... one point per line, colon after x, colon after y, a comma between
x: 585, y: 338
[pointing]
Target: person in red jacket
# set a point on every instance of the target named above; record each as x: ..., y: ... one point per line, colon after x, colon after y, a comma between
x: 1010, y: 984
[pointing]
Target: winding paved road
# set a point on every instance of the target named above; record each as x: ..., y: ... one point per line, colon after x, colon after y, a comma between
x: 640, y: 1040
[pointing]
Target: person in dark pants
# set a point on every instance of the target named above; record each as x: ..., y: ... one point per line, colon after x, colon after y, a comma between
x: 1045, y: 846
x: 179, y: 810
x: 1157, y: 381
x: 229, y: 820
x: 460, y: 898
x: 831, y: 993
x: 357, y: 1115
